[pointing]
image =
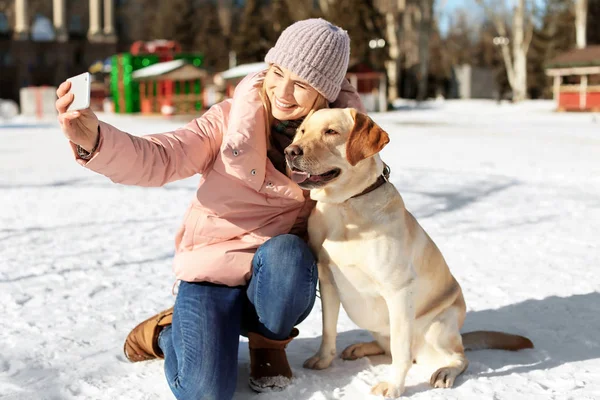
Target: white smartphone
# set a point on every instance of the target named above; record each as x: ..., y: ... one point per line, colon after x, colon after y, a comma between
x: 81, y: 88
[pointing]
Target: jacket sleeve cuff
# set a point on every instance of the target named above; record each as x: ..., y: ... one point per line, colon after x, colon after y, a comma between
x: 96, y: 156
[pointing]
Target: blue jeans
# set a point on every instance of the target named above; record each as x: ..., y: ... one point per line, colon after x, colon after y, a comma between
x: 201, y: 345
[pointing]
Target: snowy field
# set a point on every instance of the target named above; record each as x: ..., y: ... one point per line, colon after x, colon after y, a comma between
x: 511, y: 195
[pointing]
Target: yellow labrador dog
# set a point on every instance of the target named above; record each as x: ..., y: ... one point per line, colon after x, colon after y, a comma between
x: 376, y: 259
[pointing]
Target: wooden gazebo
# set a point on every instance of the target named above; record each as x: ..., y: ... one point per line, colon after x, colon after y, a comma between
x: 171, y: 86
x: 576, y: 79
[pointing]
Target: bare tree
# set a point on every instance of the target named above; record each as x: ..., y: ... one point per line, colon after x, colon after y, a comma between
x: 281, y: 17
x: 173, y: 20
x: 393, y: 11
x: 581, y: 11
x: 593, y: 28
x: 225, y: 10
x: 425, y: 32
x: 325, y: 6
x: 461, y: 37
x: 364, y: 24
x: 522, y: 32
x: 210, y: 39
x: 251, y: 40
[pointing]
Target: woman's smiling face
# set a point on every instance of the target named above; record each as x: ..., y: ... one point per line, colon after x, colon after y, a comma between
x: 290, y: 96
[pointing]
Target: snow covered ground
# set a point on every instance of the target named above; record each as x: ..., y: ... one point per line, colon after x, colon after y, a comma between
x: 511, y: 195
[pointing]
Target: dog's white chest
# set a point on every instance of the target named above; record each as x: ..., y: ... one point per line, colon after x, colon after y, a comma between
x: 358, y: 284
x: 365, y: 255
x: 353, y: 266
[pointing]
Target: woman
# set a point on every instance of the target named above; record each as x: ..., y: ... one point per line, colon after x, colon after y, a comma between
x: 241, y: 258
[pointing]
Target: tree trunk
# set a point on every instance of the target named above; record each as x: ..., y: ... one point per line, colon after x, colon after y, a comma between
x: 520, y: 48
x: 225, y: 15
x: 324, y: 6
x: 393, y: 64
x: 581, y: 8
x: 520, y: 76
x: 424, y: 35
x: 522, y: 33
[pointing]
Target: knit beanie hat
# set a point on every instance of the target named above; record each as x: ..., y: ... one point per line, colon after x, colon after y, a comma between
x: 315, y: 50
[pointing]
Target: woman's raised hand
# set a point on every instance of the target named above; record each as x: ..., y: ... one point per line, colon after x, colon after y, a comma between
x: 80, y: 127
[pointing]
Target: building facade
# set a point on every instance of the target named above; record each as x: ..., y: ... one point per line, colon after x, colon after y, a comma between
x: 43, y: 42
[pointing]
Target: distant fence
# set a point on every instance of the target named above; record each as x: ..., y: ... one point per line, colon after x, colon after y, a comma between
x: 38, y: 102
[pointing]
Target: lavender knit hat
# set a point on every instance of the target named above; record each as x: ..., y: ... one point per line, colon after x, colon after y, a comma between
x: 315, y: 50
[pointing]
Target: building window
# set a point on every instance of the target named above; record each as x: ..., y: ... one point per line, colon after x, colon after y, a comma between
x: 4, y: 28
x: 5, y: 59
x: 75, y: 25
x: 42, y: 29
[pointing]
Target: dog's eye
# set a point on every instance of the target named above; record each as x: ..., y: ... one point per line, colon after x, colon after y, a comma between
x: 330, y: 132
x: 302, y: 131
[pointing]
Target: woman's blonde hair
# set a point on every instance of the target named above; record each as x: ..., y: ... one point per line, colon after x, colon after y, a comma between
x: 320, y: 102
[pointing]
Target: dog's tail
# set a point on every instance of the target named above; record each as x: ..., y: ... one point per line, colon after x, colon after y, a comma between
x: 481, y: 340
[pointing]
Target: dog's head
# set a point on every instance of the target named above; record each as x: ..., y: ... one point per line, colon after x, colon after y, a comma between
x: 330, y: 144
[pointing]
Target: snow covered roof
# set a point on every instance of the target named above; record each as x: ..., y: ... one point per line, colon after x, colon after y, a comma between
x: 586, y: 57
x: 178, y: 70
x: 243, y: 70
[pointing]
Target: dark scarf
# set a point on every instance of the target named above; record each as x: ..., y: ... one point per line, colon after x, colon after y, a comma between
x: 282, y: 134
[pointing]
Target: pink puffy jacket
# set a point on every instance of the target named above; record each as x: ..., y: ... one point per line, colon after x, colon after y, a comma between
x: 241, y: 201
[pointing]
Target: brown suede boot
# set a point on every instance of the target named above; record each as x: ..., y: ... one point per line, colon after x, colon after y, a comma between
x: 269, y: 367
x: 142, y: 342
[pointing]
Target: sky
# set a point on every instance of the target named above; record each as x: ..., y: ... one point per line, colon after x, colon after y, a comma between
x: 445, y: 8
x: 452, y: 4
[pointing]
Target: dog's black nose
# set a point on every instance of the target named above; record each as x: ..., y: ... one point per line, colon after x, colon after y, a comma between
x: 293, y: 151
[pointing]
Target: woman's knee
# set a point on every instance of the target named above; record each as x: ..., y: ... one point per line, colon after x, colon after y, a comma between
x: 284, y: 269
x: 286, y: 252
x: 283, y: 242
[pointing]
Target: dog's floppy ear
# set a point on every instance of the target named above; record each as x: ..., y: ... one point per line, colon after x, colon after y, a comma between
x: 365, y: 140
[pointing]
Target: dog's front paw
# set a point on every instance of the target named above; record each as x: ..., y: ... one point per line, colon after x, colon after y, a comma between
x: 360, y: 350
x: 321, y: 360
x: 443, y: 378
x: 388, y: 390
